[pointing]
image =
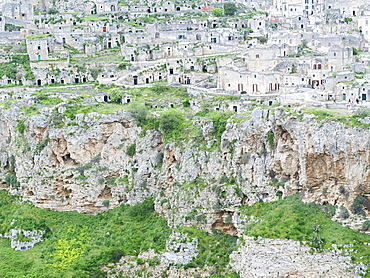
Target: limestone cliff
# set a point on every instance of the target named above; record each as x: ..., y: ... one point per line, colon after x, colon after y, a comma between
x: 97, y: 161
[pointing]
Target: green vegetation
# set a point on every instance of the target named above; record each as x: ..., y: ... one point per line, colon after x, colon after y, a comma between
x: 11, y: 27
x: 230, y: 9
x: 76, y: 245
x: 95, y: 17
x: 131, y: 150
x: 326, y: 115
x: 271, y: 139
x: 38, y: 36
x: 53, y: 11
x: 219, y: 122
x: 44, y: 99
x: 21, y: 127
x: 292, y: 219
x: 214, y: 250
x: 11, y: 69
x: 218, y: 12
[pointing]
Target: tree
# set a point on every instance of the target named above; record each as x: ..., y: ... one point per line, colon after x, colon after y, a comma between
x: 217, y: 12
x: 115, y: 94
x: 230, y: 8
x: 94, y: 73
x: 138, y: 112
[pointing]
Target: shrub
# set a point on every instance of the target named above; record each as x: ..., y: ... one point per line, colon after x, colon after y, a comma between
x: 115, y: 94
x: 142, y: 210
x: 106, y: 203
x: 131, y: 150
x: 224, y: 179
x: 172, y: 124
x: 139, y: 113
x: 229, y: 219
x: 53, y: 11
x: 366, y: 225
x: 159, y: 159
x: 230, y: 8
x: 12, y: 163
x: 21, y: 127
x: 95, y: 73
x: 358, y: 204
x: 270, y: 139
x: 11, y: 180
x: 42, y: 145
x: 218, y: 12
x: 344, y: 214
x: 362, y: 113
x: 160, y: 88
x: 245, y: 158
x: 219, y: 124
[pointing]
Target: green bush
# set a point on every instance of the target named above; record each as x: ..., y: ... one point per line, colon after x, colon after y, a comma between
x: 106, y: 203
x: 214, y: 249
x: 12, y: 163
x: 344, y: 214
x: 172, y: 124
x: 159, y: 159
x: 53, y: 11
x: 142, y: 210
x: 42, y: 145
x: 11, y: 180
x: 359, y: 203
x: 160, y: 88
x: 217, y: 12
x: 245, y: 158
x: 271, y: 139
x: 366, y: 225
x: 139, y: 112
x: 230, y: 8
x: 21, y: 127
x: 116, y: 255
x: 115, y: 94
x: 362, y: 113
x: 131, y: 150
x: 219, y: 124
x: 224, y: 179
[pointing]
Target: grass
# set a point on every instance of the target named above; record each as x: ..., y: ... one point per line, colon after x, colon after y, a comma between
x: 77, y: 244
x: 38, y: 36
x: 292, y: 219
x: 339, y: 115
x: 95, y: 17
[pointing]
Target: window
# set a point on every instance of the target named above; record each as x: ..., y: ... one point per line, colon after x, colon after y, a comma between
x: 257, y: 56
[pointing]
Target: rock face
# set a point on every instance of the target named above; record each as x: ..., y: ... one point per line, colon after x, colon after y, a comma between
x: 287, y: 258
x: 97, y: 161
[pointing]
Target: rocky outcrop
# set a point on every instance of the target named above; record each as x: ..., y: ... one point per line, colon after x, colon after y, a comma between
x: 97, y: 161
x: 288, y: 258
